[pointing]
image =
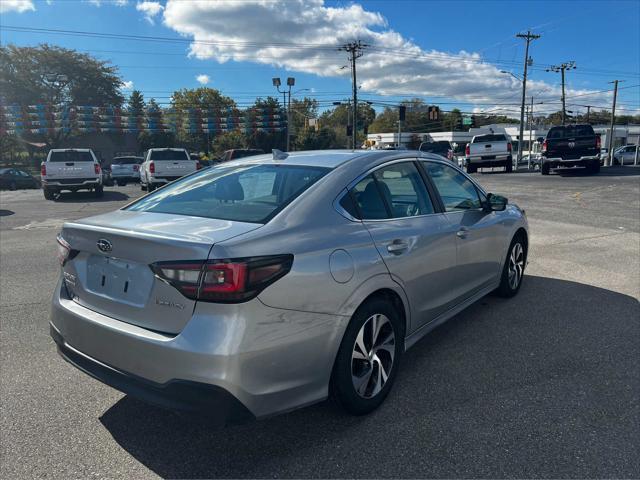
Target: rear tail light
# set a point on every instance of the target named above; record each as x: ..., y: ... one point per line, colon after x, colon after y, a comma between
x: 598, y: 142
x: 224, y: 281
x: 43, y: 170
x: 198, y: 166
x: 136, y: 168
x: 64, y: 251
x: 152, y: 167
x: 467, y: 150
x: 509, y: 147
x: 544, y: 146
x: 96, y: 168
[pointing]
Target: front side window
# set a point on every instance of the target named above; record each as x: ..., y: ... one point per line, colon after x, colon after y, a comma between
x: 247, y: 193
x: 456, y: 190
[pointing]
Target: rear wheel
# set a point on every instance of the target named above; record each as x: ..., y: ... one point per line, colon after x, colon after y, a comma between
x: 545, y: 168
x: 514, y: 265
x: 122, y: 183
x: 48, y: 193
x: 368, y: 357
x: 471, y: 168
x: 151, y: 187
x: 508, y: 166
x: 99, y: 191
x: 593, y: 167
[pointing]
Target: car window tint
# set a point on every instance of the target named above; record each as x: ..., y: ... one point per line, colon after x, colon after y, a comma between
x: 346, y: 202
x: 169, y: 155
x: 455, y: 189
x: 71, y: 156
x: 247, y: 193
x: 404, y: 190
x: 367, y: 195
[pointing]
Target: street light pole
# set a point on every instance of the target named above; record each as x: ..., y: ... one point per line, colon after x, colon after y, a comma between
x: 287, y: 105
x: 613, y: 121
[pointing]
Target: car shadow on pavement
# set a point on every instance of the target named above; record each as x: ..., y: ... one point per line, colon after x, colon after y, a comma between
x: 618, y: 171
x: 543, y: 384
x: 6, y: 213
x: 84, y: 197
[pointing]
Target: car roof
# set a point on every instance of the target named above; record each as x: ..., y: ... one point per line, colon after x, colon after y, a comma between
x: 333, y: 158
x: 70, y: 150
x: 167, y: 148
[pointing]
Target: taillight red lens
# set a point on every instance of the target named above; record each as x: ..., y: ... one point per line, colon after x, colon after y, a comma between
x: 96, y: 168
x: 152, y: 167
x: 544, y: 146
x: 224, y: 281
x: 598, y: 142
x: 43, y: 170
x: 509, y: 147
x: 467, y: 150
x: 63, y: 250
x: 198, y: 166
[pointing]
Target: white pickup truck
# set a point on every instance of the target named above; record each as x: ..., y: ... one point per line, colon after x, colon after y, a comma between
x: 164, y: 165
x: 489, y: 150
x: 70, y: 169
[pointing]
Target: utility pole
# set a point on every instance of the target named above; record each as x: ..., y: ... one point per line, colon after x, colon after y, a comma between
x: 571, y: 65
x: 530, y: 134
x: 355, y: 51
x: 588, y: 112
x: 613, y: 121
x: 528, y: 37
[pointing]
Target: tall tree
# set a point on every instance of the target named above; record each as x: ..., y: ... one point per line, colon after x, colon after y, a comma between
x: 136, y: 104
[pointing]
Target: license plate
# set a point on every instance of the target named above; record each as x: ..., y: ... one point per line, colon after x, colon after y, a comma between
x: 118, y: 279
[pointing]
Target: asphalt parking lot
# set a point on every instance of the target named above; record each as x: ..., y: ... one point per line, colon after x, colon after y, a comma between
x: 546, y: 384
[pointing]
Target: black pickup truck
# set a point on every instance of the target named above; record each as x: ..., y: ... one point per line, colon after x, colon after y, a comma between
x: 571, y: 146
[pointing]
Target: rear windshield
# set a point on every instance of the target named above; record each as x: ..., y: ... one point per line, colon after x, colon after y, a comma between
x: 435, y: 147
x: 246, y: 193
x: 71, y: 156
x: 126, y: 161
x: 169, y: 155
x: 571, y: 131
x: 489, y: 138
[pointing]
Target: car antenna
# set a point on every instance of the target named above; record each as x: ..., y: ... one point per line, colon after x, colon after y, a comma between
x: 279, y: 154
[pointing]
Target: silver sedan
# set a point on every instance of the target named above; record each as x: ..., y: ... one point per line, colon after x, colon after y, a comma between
x: 265, y: 284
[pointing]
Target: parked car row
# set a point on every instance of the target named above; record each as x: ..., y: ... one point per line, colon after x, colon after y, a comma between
x: 14, y: 179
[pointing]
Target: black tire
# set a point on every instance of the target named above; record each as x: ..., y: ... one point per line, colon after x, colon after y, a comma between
x: 143, y: 187
x: 342, y: 386
x: 121, y: 183
x: 151, y: 187
x: 13, y: 186
x: 593, y: 168
x: 545, y: 168
x: 508, y: 167
x: 509, y: 288
x: 472, y: 169
x: 99, y: 191
x: 48, y: 193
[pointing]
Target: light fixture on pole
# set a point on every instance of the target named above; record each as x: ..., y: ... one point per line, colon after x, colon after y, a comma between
x: 291, y: 81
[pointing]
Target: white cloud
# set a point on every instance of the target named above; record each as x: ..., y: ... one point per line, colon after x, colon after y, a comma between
x: 19, y: 6
x: 203, y: 79
x: 127, y: 85
x: 117, y: 3
x: 255, y: 31
x: 150, y: 10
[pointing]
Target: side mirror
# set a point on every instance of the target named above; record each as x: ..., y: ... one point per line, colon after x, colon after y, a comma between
x: 496, y: 203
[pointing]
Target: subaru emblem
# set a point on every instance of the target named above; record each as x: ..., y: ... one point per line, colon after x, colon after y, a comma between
x: 104, y: 245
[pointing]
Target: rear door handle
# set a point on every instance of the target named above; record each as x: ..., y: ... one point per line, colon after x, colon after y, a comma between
x: 462, y: 233
x: 397, y: 247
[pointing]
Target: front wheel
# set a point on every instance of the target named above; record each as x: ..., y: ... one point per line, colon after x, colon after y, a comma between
x: 513, y: 270
x: 368, y: 358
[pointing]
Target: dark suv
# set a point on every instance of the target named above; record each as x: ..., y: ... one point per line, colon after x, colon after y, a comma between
x: 440, y: 147
x: 239, y: 153
x: 571, y: 146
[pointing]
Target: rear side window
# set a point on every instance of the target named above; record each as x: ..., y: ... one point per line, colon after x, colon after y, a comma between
x: 489, y: 138
x: 396, y: 191
x: 247, y: 193
x: 71, y: 156
x: 169, y: 155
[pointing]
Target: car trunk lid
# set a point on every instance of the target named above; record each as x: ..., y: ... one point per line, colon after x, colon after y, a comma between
x: 109, y: 269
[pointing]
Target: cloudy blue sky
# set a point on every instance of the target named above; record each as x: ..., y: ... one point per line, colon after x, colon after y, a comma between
x: 447, y: 52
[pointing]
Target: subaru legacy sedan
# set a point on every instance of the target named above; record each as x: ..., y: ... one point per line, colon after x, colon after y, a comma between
x: 269, y: 283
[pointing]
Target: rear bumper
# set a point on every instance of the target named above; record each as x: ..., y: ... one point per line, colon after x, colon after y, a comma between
x: 488, y: 162
x: 191, y: 397
x: 72, y: 182
x: 270, y: 360
x: 555, y: 162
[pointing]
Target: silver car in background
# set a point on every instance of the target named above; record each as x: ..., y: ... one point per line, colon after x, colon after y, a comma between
x: 265, y: 284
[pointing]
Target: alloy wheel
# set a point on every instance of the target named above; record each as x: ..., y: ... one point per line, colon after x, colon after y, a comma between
x: 372, y: 356
x: 516, y: 266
